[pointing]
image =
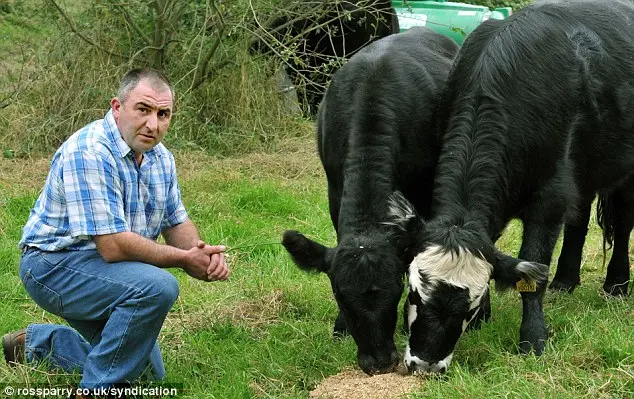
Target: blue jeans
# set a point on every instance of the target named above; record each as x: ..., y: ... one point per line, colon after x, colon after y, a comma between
x: 116, y: 311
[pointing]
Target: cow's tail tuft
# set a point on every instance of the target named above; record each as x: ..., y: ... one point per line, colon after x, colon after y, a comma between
x: 605, y: 219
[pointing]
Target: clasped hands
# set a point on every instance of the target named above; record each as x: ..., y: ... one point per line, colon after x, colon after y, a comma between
x: 208, y: 262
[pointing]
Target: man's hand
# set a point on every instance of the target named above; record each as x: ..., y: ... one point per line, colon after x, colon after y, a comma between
x: 207, y: 262
x: 217, y: 269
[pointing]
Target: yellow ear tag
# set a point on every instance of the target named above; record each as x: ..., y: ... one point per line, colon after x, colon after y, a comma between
x: 525, y: 286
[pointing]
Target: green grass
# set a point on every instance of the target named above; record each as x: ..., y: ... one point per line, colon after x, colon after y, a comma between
x: 266, y: 333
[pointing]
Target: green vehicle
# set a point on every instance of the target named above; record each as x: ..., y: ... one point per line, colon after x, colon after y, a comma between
x: 455, y: 20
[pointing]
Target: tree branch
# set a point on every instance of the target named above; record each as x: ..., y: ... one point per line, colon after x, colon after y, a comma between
x: 6, y: 101
x: 131, y: 23
x: 272, y: 26
x: 159, y: 7
x: 175, y: 13
x: 203, y: 74
x: 81, y: 36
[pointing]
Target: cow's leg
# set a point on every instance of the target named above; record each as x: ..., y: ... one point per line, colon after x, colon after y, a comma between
x: 537, y: 245
x: 334, y: 204
x: 341, y: 329
x: 542, y: 221
x: 621, y: 218
x: 567, y: 276
x: 618, y: 275
x: 405, y: 317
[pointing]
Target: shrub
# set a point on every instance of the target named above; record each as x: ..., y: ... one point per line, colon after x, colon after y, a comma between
x: 68, y: 72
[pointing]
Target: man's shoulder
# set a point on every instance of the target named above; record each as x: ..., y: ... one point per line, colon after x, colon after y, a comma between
x: 90, y: 139
x: 163, y: 153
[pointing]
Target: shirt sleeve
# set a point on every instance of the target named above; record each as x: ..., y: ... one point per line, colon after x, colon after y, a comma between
x: 94, y: 199
x: 175, y: 212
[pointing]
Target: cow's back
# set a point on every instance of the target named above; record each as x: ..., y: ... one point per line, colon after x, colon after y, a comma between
x: 552, y: 87
x: 375, y: 125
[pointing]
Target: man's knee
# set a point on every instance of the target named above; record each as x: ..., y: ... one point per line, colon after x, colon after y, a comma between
x: 163, y: 287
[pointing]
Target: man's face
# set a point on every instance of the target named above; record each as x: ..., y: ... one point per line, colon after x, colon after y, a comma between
x: 143, y: 117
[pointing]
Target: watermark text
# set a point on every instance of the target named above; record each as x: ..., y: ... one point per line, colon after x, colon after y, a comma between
x: 14, y: 391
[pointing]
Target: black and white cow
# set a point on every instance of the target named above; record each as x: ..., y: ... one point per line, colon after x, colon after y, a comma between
x: 374, y: 136
x: 538, y: 117
x: 321, y: 34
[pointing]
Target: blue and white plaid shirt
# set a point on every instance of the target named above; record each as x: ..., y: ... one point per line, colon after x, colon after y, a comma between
x: 95, y: 187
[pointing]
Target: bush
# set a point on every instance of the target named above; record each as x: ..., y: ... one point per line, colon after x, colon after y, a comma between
x: 7, y: 6
x: 68, y: 75
x: 63, y: 63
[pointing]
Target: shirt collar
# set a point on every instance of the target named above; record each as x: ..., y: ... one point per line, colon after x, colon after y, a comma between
x: 120, y: 146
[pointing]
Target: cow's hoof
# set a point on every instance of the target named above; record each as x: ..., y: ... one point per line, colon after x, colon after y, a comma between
x: 537, y: 348
x: 616, y: 290
x: 340, y: 334
x: 565, y: 286
x: 533, y: 338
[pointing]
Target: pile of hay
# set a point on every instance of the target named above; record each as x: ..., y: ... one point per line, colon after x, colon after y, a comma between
x: 358, y: 385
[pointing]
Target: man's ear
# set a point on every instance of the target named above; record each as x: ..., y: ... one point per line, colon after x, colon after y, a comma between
x: 306, y: 253
x: 115, y: 104
x: 507, y: 271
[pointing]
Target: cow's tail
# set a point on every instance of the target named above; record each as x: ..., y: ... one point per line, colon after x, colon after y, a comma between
x: 605, y: 219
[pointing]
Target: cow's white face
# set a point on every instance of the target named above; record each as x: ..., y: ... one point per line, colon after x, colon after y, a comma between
x: 445, y: 291
x: 417, y: 365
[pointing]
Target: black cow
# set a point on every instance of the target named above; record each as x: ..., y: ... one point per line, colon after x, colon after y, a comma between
x: 615, y: 213
x: 374, y: 136
x: 538, y: 117
x: 322, y: 34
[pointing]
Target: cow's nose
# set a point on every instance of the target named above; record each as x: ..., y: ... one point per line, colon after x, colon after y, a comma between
x: 378, y: 365
x: 414, y: 367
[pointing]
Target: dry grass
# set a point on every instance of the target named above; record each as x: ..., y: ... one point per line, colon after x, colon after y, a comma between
x: 20, y: 175
x: 249, y: 312
x: 356, y: 384
x: 294, y: 157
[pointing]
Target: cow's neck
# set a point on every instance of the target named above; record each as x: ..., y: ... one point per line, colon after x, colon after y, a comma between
x: 472, y: 179
x: 369, y: 180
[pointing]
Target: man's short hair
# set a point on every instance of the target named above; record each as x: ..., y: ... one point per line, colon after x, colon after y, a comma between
x: 156, y: 79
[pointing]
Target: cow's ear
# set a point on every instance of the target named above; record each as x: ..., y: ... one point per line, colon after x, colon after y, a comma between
x: 401, y: 214
x: 507, y: 271
x: 306, y: 253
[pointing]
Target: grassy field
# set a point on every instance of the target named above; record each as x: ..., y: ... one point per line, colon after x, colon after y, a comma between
x: 266, y: 333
